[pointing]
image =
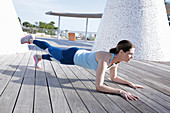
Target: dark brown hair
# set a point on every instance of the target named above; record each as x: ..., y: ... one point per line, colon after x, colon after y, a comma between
x: 124, y: 45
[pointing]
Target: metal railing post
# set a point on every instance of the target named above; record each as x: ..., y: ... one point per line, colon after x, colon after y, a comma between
x: 58, y: 33
x: 86, y: 30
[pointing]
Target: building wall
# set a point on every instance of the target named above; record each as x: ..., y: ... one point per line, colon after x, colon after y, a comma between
x: 10, y: 30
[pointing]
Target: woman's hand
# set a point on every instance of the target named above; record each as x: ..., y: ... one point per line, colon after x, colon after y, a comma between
x: 135, y: 86
x: 128, y: 95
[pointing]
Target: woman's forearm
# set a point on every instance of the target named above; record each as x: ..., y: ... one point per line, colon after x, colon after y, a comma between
x: 121, y: 80
x: 123, y: 93
x: 108, y: 89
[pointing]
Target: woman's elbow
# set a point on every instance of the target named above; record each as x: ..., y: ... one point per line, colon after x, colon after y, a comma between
x: 113, y: 78
x: 98, y: 87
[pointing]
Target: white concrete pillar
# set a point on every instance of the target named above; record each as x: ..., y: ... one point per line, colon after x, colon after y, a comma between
x: 143, y: 22
x: 10, y: 30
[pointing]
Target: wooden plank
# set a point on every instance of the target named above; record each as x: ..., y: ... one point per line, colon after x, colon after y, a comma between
x: 30, y: 72
x: 151, y: 91
x: 149, y: 83
x: 25, y: 99
x: 147, y: 75
x: 41, y: 73
x: 137, y: 104
x: 4, y: 58
x: 151, y: 97
x: 145, y: 103
x: 74, y: 101
x: 159, y: 65
x: 103, y: 99
x: 9, y: 96
x: 166, y: 63
x: 91, y: 103
x: 7, y: 60
x: 42, y: 101
x: 58, y: 100
x: 148, y: 102
x: 121, y: 102
x: 149, y: 68
x: 145, y: 69
x: 159, y: 97
x: 7, y: 72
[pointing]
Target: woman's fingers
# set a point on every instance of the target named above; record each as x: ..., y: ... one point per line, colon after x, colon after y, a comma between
x: 126, y: 97
x: 135, y: 96
x: 139, y: 86
x: 129, y: 96
x: 135, y: 86
x: 132, y: 97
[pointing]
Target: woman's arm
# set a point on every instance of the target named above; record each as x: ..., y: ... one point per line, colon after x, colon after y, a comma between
x: 102, y: 66
x: 100, y: 79
x: 115, y: 78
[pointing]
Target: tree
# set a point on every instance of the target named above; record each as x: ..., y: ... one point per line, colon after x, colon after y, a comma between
x: 19, y: 20
x: 52, y: 22
x: 44, y: 27
x: 27, y: 24
x: 41, y: 24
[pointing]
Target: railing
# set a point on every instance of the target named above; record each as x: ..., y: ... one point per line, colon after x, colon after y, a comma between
x: 41, y: 32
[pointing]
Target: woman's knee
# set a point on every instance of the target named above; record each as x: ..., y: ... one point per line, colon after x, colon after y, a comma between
x: 41, y: 44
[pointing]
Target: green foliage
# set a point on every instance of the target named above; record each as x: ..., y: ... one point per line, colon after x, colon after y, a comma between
x: 47, y: 28
x: 19, y: 20
x: 27, y: 24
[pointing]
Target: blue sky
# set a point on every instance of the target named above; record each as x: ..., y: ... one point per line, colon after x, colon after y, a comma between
x: 34, y: 11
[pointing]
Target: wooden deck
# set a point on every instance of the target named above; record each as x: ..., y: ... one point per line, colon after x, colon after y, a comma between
x: 57, y: 88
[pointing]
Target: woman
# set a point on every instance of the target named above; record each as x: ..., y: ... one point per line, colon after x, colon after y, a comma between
x: 99, y: 61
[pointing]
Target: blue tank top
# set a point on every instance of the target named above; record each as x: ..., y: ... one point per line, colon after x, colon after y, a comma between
x: 87, y: 59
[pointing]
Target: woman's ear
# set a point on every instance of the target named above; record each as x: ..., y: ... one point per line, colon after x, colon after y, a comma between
x: 121, y: 51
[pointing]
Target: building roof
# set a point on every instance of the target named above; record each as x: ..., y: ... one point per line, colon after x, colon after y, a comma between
x: 80, y: 15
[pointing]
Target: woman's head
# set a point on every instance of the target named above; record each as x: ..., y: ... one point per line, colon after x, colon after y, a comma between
x: 125, y: 48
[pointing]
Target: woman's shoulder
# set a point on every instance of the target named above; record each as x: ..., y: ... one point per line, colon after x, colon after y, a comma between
x: 103, y: 55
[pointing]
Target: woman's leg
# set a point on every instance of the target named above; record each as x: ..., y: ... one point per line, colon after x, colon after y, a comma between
x: 29, y: 39
x: 41, y: 44
x: 37, y: 58
x: 68, y: 55
x: 64, y: 56
x: 54, y: 51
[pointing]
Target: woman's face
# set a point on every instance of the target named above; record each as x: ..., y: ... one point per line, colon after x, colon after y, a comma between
x: 128, y: 55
